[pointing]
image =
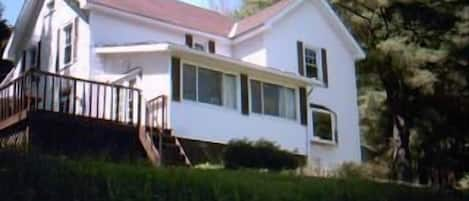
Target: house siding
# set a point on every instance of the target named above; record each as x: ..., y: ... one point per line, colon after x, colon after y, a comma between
x: 340, y: 95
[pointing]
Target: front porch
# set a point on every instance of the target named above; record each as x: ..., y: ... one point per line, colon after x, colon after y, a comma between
x: 46, y: 110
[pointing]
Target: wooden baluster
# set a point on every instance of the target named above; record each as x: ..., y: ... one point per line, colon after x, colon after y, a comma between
x: 84, y: 105
x: 91, y: 100
x: 117, y: 103
x: 74, y: 97
x: 60, y: 96
x: 112, y: 104
x: 139, y: 109
x: 97, y: 101
x: 104, y: 102
x: 53, y: 93
x: 45, y: 95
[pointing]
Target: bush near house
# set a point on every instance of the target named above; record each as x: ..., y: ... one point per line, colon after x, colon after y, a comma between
x: 25, y: 178
x: 261, y: 154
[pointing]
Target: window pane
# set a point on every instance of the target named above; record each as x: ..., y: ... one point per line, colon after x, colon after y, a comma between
x: 229, y: 91
x: 311, y: 71
x: 322, y: 123
x: 210, y: 86
x: 68, y: 54
x: 288, y: 103
x: 189, y: 82
x: 68, y: 34
x: 271, y: 99
x: 256, y: 97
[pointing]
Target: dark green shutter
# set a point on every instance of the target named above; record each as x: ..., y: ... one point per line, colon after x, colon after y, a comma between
x: 244, y: 94
x: 38, y: 61
x: 303, y: 106
x: 211, y: 46
x: 176, y: 78
x: 23, y: 62
x: 301, y: 68
x: 189, y: 40
x: 324, y: 67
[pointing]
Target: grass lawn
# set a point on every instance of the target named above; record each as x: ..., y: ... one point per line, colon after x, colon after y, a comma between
x: 38, y: 178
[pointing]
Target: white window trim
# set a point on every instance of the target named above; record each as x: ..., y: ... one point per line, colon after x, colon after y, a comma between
x: 64, y: 65
x: 333, y: 127
x: 263, y: 115
x: 320, y: 79
x: 196, y: 101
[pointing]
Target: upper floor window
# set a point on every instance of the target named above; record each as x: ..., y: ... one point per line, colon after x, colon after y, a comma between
x: 199, y: 46
x: 209, y: 86
x: 324, y: 124
x: 68, y: 44
x: 273, y: 100
x: 312, y: 63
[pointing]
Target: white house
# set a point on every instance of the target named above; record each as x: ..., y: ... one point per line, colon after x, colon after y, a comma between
x: 286, y: 74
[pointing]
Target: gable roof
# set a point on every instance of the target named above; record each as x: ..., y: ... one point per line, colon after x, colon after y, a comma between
x: 188, y: 16
x: 174, y: 12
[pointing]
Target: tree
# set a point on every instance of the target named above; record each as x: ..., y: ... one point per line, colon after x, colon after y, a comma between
x: 251, y: 7
x: 5, y: 32
x: 414, y: 48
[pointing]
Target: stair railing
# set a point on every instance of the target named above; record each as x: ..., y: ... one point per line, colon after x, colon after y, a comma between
x: 157, y: 119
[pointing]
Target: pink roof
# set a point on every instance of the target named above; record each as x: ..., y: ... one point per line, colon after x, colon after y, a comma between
x: 188, y: 16
x: 174, y: 12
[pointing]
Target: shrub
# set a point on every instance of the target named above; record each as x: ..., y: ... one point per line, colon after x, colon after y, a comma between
x: 371, y: 170
x: 261, y: 154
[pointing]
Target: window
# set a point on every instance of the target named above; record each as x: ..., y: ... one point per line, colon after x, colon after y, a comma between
x: 273, y: 100
x: 68, y: 45
x: 209, y: 86
x: 323, y: 124
x: 312, y: 63
x: 199, y: 47
x: 189, y: 82
x: 32, y: 58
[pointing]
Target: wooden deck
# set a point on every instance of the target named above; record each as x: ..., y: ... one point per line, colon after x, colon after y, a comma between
x: 52, y: 105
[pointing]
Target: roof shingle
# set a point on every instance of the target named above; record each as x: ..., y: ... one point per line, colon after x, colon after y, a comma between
x: 174, y: 12
x: 188, y: 16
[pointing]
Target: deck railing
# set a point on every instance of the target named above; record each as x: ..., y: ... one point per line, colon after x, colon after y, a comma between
x: 156, y: 113
x: 37, y: 90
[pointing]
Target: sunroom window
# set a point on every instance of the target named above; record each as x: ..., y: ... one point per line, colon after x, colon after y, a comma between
x: 273, y: 100
x: 209, y: 86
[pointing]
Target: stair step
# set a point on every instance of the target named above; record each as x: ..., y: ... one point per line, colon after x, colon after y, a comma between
x: 166, y: 140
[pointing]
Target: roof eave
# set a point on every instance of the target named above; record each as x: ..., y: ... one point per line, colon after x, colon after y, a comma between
x: 169, y: 47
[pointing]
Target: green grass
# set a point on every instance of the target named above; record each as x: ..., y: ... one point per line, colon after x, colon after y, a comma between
x: 34, y: 178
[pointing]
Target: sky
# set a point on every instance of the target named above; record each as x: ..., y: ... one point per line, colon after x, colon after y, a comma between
x: 13, y: 7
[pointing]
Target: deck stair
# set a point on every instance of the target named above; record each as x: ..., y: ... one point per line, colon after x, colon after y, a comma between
x: 166, y: 147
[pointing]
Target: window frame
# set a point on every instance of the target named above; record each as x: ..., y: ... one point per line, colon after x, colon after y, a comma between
x: 63, y: 44
x: 207, y: 67
x: 317, y: 50
x: 333, y: 140
x: 263, y: 114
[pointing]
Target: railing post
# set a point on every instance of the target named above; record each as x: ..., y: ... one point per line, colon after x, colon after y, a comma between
x: 139, y: 109
x: 117, y: 103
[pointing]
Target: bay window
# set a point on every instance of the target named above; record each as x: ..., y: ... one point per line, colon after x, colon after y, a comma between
x: 273, y: 100
x: 209, y: 86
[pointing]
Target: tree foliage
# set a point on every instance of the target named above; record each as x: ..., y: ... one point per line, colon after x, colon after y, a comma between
x: 251, y: 7
x: 5, y: 32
